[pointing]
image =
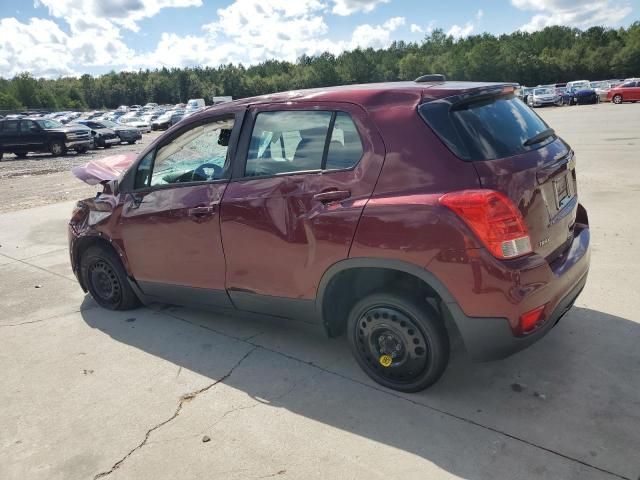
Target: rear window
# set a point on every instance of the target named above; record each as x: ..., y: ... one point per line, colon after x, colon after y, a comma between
x: 486, y: 129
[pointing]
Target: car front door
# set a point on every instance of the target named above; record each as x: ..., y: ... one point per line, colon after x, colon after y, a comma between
x: 303, y: 175
x: 170, y: 222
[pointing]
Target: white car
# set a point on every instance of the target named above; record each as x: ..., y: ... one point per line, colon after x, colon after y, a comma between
x: 137, y: 122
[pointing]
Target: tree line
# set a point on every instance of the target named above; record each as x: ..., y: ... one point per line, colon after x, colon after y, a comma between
x: 555, y: 54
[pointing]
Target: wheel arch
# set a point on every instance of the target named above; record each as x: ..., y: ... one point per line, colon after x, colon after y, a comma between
x: 347, y: 281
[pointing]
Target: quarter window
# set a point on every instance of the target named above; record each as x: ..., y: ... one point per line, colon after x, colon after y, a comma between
x: 287, y: 141
x: 345, y: 148
x: 197, y: 155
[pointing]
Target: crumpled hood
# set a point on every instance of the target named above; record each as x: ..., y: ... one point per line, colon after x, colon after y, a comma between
x: 104, y: 169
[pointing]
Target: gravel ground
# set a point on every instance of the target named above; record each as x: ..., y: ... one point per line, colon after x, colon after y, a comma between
x: 41, y: 179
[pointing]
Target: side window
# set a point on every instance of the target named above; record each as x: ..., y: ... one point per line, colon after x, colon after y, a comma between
x: 287, y: 141
x: 27, y: 126
x: 345, y: 148
x: 197, y: 155
x: 10, y: 126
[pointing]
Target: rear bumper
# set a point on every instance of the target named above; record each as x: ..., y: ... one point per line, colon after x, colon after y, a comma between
x: 492, y: 338
x: 490, y: 296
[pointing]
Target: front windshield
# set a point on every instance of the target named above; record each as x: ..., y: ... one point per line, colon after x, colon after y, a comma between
x: 108, y: 123
x: 49, y: 124
x: 543, y: 91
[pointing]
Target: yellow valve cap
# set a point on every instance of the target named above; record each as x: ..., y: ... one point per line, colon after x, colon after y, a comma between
x: 385, y: 360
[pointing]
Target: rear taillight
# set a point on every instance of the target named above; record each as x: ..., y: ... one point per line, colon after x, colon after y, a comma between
x: 493, y: 218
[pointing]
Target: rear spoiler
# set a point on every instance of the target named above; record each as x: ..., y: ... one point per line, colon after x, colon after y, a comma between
x: 473, y: 95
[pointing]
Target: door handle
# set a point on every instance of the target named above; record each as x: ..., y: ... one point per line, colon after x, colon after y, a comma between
x: 332, y: 196
x: 200, y: 211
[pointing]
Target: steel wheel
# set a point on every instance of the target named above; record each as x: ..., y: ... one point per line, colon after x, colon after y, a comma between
x: 104, y: 282
x: 398, y: 340
x: 103, y: 275
x: 392, y: 343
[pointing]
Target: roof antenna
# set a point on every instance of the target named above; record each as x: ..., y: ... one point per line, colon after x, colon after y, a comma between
x: 432, y: 77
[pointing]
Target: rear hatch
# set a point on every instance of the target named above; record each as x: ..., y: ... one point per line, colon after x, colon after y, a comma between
x: 516, y: 153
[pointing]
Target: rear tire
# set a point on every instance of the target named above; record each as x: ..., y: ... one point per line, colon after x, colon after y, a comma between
x: 105, y: 278
x: 57, y: 148
x: 132, y: 142
x: 82, y: 150
x: 400, y: 342
x: 617, y: 99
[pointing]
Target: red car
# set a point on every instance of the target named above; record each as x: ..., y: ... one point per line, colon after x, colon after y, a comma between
x: 627, y: 92
x: 395, y: 213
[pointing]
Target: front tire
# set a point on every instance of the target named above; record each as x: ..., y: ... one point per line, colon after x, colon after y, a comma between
x: 20, y: 154
x: 617, y: 99
x: 105, y: 278
x: 400, y: 342
x: 57, y: 148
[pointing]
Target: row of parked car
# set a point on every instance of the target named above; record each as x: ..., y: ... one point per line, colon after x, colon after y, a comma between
x: 60, y: 132
x: 581, y: 92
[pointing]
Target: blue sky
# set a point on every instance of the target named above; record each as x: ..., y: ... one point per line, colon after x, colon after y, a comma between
x: 70, y: 37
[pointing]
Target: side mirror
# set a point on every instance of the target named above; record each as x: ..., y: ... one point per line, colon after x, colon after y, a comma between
x: 110, y: 187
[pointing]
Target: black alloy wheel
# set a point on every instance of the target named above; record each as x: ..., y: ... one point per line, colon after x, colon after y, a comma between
x: 401, y: 343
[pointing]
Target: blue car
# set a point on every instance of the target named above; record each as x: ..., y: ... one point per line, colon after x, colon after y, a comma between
x: 580, y: 96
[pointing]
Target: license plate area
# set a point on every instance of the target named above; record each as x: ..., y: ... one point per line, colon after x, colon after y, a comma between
x: 563, y: 190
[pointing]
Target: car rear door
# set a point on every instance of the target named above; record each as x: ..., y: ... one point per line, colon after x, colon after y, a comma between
x: 10, y: 135
x: 170, y: 222
x: 304, y: 174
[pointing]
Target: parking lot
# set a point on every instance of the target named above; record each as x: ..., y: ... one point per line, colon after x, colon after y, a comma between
x: 41, y: 179
x: 168, y: 392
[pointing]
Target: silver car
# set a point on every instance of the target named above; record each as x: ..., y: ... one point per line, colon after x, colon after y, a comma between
x: 541, y: 97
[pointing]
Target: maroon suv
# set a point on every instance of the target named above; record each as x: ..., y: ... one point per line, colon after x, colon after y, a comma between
x: 396, y: 213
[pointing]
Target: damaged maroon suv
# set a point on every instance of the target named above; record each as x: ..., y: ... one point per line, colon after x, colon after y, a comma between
x: 396, y: 213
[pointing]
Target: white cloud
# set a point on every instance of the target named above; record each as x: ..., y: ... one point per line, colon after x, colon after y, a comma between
x: 375, y: 36
x: 457, y: 31
x: 39, y: 45
x: 415, y: 28
x: 348, y: 7
x: 125, y: 13
x: 573, y: 13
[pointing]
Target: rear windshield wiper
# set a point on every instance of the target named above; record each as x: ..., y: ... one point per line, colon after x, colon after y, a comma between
x: 540, y: 137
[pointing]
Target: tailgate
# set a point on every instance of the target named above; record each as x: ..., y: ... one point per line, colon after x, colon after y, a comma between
x: 542, y: 184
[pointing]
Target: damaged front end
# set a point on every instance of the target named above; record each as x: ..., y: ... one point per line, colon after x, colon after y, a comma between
x: 91, y: 219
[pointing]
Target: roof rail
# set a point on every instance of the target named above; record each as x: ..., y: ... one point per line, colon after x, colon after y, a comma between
x: 432, y: 77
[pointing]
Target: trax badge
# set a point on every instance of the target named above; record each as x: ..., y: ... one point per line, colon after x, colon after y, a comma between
x: 386, y: 360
